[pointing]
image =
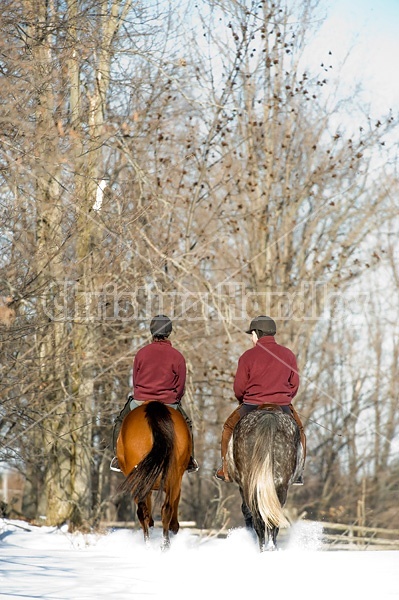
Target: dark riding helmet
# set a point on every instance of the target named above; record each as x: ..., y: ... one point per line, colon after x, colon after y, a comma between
x: 264, y: 324
x: 160, y: 326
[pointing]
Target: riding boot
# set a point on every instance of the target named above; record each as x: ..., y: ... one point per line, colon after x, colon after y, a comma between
x: 231, y: 422
x: 222, y: 472
x: 299, y: 479
x: 114, y: 466
x: 192, y: 466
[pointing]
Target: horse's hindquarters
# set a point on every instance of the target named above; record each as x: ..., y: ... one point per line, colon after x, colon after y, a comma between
x: 153, y: 449
x: 262, y: 458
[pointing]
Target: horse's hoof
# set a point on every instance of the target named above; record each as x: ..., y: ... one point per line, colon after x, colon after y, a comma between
x: 174, y: 528
x: 174, y: 531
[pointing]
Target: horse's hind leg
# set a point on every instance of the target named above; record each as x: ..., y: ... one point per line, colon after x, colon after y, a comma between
x: 260, y: 529
x: 249, y: 522
x: 145, y: 518
x: 149, y: 510
x: 166, y: 516
x: 169, y: 515
x: 272, y: 533
x: 174, y: 525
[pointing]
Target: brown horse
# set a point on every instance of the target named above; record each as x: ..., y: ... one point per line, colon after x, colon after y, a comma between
x: 153, y: 451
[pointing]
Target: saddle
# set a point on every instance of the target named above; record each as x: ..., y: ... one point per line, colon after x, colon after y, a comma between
x: 271, y: 407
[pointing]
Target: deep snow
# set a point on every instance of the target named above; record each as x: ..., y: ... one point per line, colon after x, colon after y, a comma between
x: 49, y: 563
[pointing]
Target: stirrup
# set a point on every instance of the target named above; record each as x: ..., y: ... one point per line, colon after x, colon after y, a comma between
x: 298, y: 480
x: 114, y: 465
x: 193, y: 466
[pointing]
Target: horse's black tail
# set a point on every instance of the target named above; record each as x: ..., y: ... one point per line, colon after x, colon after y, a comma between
x: 142, y: 478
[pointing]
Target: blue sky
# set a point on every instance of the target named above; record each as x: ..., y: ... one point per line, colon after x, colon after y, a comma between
x: 370, y: 28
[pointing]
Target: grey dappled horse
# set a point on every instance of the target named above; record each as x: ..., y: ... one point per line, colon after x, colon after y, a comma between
x: 264, y: 457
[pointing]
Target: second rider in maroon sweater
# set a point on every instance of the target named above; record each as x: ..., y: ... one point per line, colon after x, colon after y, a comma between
x: 266, y: 374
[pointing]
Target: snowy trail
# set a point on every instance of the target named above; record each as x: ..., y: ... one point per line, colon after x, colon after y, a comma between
x: 46, y: 563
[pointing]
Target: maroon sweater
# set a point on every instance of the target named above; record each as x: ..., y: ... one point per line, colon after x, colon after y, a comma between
x: 159, y: 373
x: 266, y: 373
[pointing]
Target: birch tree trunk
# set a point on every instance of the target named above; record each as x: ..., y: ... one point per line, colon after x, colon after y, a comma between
x: 50, y: 337
x: 89, y: 177
x: 70, y: 376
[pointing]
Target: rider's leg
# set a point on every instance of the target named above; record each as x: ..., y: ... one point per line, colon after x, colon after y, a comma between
x: 118, y: 422
x: 301, y: 429
x: 192, y: 465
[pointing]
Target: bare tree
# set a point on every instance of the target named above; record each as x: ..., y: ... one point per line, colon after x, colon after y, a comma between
x: 189, y: 165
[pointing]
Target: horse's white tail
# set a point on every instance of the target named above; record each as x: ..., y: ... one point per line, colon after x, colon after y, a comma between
x: 262, y: 496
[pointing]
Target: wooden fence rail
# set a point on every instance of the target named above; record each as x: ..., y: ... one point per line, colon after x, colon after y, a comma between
x: 335, y: 536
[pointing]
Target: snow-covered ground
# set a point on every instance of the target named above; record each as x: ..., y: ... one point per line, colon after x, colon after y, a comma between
x: 49, y: 563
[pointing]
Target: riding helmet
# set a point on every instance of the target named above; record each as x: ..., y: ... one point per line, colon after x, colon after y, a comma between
x: 264, y: 324
x: 160, y: 326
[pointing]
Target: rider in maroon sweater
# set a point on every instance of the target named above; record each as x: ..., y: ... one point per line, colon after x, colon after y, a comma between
x: 266, y: 374
x: 159, y: 373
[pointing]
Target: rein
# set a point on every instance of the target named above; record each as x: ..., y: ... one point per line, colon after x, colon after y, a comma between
x: 324, y: 427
